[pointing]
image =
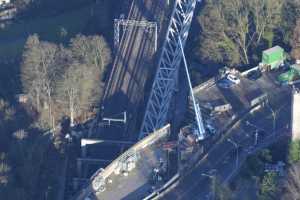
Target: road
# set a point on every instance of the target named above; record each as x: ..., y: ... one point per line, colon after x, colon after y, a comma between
x: 133, y: 66
x: 223, y: 156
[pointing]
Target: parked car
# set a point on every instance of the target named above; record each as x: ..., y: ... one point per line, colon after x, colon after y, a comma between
x: 210, y: 128
x: 233, y: 78
x: 224, y: 83
x: 254, y: 75
x: 285, y: 67
x: 287, y: 77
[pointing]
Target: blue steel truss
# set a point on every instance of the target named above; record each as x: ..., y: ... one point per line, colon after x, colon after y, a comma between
x: 167, y: 73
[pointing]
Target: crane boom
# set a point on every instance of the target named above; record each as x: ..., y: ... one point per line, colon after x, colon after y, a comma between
x: 201, y: 130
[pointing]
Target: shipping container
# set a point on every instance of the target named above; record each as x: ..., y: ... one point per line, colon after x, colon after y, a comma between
x: 273, y: 57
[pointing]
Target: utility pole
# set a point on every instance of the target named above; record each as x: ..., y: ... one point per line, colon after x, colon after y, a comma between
x: 213, y: 183
x: 237, y: 152
x: 273, y: 115
x: 256, y: 138
x: 256, y: 133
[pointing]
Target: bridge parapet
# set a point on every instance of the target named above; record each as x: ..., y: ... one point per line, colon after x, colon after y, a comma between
x: 98, y: 181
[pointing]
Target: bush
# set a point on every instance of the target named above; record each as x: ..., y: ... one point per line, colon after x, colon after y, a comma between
x: 268, y: 186
x: 294, y: 152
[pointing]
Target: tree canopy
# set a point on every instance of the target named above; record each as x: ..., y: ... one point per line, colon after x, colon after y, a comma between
x: 233, y: 32
x: 64, y: 80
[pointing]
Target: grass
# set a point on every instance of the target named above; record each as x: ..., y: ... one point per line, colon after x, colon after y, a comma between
x: 11, y: 50
x: 13, y: 37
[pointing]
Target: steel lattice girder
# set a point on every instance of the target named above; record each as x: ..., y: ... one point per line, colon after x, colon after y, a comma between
x: 166, y: 75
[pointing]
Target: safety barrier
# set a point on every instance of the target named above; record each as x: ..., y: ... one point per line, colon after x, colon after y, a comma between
x: 101, y: 175
x: 206, y: 84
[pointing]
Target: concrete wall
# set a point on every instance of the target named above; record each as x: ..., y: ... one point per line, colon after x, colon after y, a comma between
x: 248, y: 71
x: 204, y: 85
x: 295, y: 115
x: 259, y: 99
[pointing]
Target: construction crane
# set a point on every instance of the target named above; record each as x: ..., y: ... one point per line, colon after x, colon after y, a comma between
x: 200, y: 133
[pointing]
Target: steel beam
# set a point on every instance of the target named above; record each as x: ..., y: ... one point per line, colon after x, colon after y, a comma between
x: 167, y: 73
x: 86, y: 141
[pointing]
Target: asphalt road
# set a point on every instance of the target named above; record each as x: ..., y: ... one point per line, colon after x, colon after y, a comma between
x: 132, y: 68
x: 222, y: 157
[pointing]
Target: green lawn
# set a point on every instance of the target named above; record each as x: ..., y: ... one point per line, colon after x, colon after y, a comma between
x: 13, y: 37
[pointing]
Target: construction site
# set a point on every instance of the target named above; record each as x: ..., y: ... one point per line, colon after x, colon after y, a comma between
x: 158, y: 137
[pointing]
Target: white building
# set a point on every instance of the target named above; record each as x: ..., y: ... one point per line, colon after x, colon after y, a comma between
x: 3, y: 2
x: 295, y: 115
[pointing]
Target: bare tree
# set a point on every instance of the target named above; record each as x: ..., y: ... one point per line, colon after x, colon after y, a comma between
x: 7, y: 123
x: 4, y: 170
x: 49, y: 74
x: 79, y: 89
x: 295, y: 42
x: 39, y: 72
x: 31, y: 79
x: 236, y: 13
x: 225, y: 25
x: 70, y: 90
x: 291, y: 189
x: 215, y: 44
x: 230, y: 28
x: 64, y: 77
x: 91, y: 50
x: 266, y: 16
